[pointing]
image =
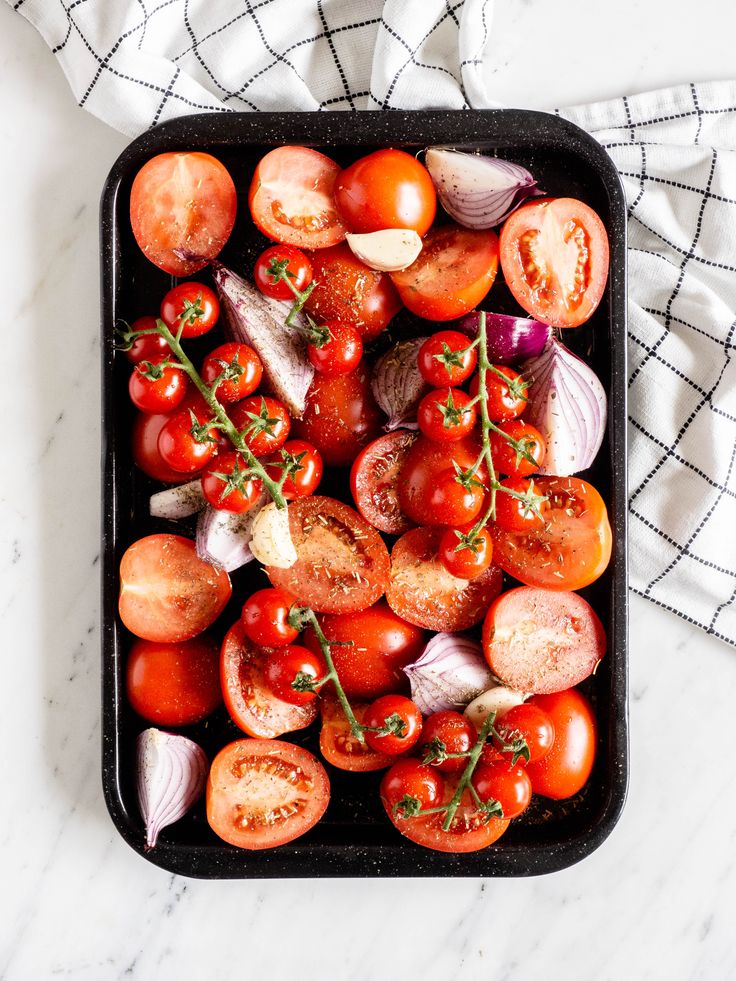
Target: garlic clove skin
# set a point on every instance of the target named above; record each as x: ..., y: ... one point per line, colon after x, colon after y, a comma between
x: 390, y: 250
x: 499, y: 699
x: 271, y: 543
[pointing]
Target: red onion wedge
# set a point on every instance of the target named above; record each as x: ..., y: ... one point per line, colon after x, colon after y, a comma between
x: 397, y: 385
x: 568, y: 405
x: 172, y: 772
x: 258, y: 320
x: 180, y: 501
x: 450, y: 673
x: 510, y: 339
x: 478, y: 191
x: 223, y: 538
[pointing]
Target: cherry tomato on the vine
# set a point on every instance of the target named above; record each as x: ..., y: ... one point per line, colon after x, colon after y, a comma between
x: 457, y: 735
x: 146, y: 456
x: 509, y: 785
x: 502, y: 403
x: 445, y: 414
x: 265, y: 617
x: 447, y: 358
x: 470, y: 560
x: 340, y: 354
x: 298, y: 269
x: 148, y: 346
x: 235, y: 386
x: 532, y: 724
x: 513, y: 514
x: 192, y: 304
x: 303, y: 481
x: 154, y: 388
x: 411, y: 778
x: 284, y: 668
x: 430, y: 494
x: 505, y: 457
x: 180, y: 449
x: 400, y: 720
x: 265, y: 421
x: 227, y: 487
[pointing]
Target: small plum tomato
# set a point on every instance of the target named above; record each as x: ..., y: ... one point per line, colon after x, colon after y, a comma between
x: 509, y: 785
x: 298, y: 269
x: 525, y: 460
x: 443, y: 733
x: 445, y: 414
x: 395, y: 724
x: 515, y: 514
x: 265, y: 422
x: 174, y: 684
x: 340, y: 353
x: 447, y: 358
x: 532, y: 724
x: 410, y: 785
x: 505, y: 397
x: 240, y: 368
x: 227, y: 486
x: 184, y: 445
x: 305, y: 464
x: 155, y: 386
x: 192, y: 304
x: 291, y: 671
x: 148, y: 346
x: 463, y: 556
x: 265, y: 617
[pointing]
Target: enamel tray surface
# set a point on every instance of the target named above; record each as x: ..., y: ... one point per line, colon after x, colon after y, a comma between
x: 355, y: 838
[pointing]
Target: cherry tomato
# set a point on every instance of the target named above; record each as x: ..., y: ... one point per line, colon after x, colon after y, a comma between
x: 506, y: 460
x: 266, y: 421
x: 374, y: 480
x: 236, y: 388
x: 226, y: 486
x: 513, y: 514
x: 502, y: 403
x: 451, y: 275
x: 337, y: 743
x: 446, y: 358
x: 554, y: 255
x: 340, y: 417
x: 265, y: 618
x: 509, y: 785
x: 252, y: 705
x: 423, y: 592
x: 386, y: 189
x: 339, y: 355
x: 410, y: 778
x: 146, y: 456
x: 429, y: 494
x: 382, y: 644
x: 350, y: 291
x: 532, y: 724
x: 566, y: 768
x: 283, y: 668
x: 342, y: 563
x: 167, y: 593
x: 467, y: 562
x: 304, y: 481
x: 147, y: 347
x: 298, y: 269
x: 445, y: 415
x: 154, y: 389
x: 291, y: 198
x: 398, y: 722
x: 261, y: 794
x: 457, y: 735
x: 572, y: 549
x: 192, y: 304
x: 182, y: 209
x: 174, y: 684
x: 180, y: 448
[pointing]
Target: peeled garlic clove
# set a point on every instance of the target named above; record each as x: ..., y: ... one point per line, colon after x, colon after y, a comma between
x: 499, y: 700
x: 389, y: 250
x: 271, y: 543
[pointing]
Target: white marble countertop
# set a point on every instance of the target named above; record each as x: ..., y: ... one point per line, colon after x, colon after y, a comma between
x: 656, y: 900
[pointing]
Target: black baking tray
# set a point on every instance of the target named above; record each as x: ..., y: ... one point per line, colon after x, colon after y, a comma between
x: 355, y: 838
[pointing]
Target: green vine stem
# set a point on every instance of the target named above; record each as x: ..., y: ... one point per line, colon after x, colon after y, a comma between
x: 473, y: 757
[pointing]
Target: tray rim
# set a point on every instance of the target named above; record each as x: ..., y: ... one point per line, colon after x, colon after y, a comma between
x: 198, y: 131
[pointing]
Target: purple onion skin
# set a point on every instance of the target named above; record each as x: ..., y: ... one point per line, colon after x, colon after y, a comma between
x: 510, y: 339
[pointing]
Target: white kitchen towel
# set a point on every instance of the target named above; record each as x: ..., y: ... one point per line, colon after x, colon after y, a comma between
x: 135, y: 63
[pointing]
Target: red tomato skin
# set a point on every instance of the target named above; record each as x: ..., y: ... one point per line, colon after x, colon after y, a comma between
x: 409, y: 776
x: 383, y: 644
x: 512, y: 514
x: 179, y: 449
x: 174, y: 684
x: 266, y: 441
x: 306, y: 480
x: 283, y: 666
x: 424, y: 498
x: 431, y: 419
x: 386, y: 189
x: 456, y: 732
x: 502, y: 406
x: 148, y: 346
x: 564, y: 771
x: 504, y: 455
x: 199, y: 222
x: 341, y: 354
x: 299, y: 267
x: 532, y: 724
x: 175, y: 302
x: 157, y: 395
x: 338, y: 745
x: 436, y: 373
x: 374, y: 479
x: 238, y: 388
x: 509, y: 785
x: 237, y: 500
x: 265, y: 617
x: 146, y: 455
x: 468, y: 563
x: 382, y: 709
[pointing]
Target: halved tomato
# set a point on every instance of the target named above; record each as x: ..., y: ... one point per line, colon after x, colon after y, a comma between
x: 554, y: 256
x: 342, y: 563
x: 252, y: 706
x: 264, y: 793
x: 167, y: 593
x: 291, y: 198
x: 374, y: 481
x: 572, y: 549
x: 338, y: 745
x: 423, y: 592
x: 470, y: 830
x: 452, y: 274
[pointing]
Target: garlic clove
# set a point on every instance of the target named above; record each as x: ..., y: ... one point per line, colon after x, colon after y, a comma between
x: 389, y: 250
x: 499, y: 699
x: 271, y: 543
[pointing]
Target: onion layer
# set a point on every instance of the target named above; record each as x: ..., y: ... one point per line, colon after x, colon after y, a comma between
x: 509, y: 339
x: 179, y: 501
x: 172, y: 772
x: 397, y: 385
x: 223, y: 537
x: 450, y: 673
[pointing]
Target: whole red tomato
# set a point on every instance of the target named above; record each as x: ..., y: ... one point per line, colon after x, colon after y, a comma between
x: 567, y: 766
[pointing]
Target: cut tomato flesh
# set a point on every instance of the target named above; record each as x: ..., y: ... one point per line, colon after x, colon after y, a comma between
x: 374, y: 481
x: 340, y: 747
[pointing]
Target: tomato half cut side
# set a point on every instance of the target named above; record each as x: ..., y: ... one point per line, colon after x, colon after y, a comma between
x: 338, y: 745
x: 291, y: 198
x: 252, y: 706
x: 374, y: 481
x: 573, y: 548
x: 264, y: 793
x: 541, y: 640
x: 451, y: 275
x: 424, y: 593
x: 470, y: 831
x: 554, y: 256
x: 342, y: 563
